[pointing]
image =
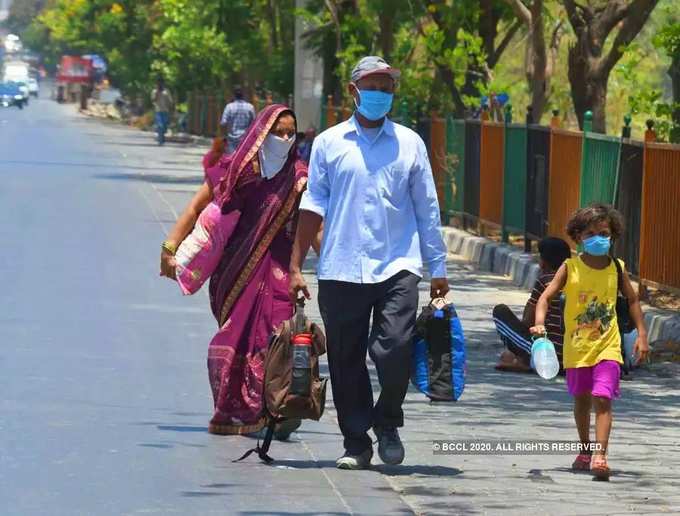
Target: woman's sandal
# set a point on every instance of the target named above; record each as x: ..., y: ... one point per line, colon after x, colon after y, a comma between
x: 582, y: 462
x: 599, y: 468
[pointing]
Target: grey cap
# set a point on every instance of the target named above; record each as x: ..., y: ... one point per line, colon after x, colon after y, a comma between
x: 370, y: 65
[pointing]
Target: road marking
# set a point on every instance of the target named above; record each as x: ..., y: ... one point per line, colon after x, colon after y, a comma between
x: 167, y: 203
x: 328, y: 479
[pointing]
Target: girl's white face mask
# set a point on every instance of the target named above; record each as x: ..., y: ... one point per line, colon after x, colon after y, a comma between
x: 274, y: 154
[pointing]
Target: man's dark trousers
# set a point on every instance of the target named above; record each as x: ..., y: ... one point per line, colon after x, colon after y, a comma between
x: 346, y: 309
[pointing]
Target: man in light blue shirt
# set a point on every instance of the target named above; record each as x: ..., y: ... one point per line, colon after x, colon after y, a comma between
x: 371, y: 185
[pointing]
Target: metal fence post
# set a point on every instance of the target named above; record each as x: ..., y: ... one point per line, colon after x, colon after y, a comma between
x: 529, y: 119
x: 555, y: 120
x: 650, y: 134
x: 505, y: 236
x: 625, y: 131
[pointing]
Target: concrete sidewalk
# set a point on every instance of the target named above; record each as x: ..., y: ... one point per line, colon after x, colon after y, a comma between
x: 644, y: 452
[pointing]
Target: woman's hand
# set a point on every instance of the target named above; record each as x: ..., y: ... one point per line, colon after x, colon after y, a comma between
x: 301, y: 185
x: 538, y: 330
x: 168, y: 265
x: 297, y: 284
x: 641, y: 348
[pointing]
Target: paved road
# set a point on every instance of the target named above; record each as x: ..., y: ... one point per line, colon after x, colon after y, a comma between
x: 104, y: 400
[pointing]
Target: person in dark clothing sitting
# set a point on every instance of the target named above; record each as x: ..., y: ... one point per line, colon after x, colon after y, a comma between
x: 514, y: 333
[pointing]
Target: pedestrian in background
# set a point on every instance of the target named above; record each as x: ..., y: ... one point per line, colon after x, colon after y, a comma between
x: 371, y: 184
x: 162, y: 104
x: 514, y: 333
x: 305, y: 146
x: 592, y: 341
x: 237, y: 117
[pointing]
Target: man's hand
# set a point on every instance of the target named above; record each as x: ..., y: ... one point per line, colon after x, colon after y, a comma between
x: 641, y: 349
x: 438, y: 287
x: 168, y: 265
x: 297, y: 284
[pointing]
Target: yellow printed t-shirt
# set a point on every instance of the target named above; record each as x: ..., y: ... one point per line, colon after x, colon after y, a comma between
x: 591, y: 330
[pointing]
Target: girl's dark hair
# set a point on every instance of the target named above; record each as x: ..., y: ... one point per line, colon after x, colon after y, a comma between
x: 594, y: 213
x: 554, y: 251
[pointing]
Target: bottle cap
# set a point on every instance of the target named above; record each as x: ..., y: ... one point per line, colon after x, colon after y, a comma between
x: 302, y: 339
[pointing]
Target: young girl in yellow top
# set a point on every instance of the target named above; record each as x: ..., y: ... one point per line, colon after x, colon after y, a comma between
x: 592, y: 343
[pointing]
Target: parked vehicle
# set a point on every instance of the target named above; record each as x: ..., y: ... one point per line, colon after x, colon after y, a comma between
x: 10, y: 95
x: 23, y: 89
x: 16, y: 71
x: 33, y: 87
x: 73, y: 72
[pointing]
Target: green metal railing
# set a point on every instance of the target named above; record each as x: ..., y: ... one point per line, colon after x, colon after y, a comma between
x: 514, y: 176
x: 455, y: 177
x: 599, y: 165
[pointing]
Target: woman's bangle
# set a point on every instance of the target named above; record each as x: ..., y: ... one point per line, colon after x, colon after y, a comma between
x: 169, y: 247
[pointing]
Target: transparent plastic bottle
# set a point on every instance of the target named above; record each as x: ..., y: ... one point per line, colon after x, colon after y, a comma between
x: 544, y: 358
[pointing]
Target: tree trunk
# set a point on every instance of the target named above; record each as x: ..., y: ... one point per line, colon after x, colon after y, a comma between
x: 674, y: 72
x: 274, y: 37
x: 539, y: 58
x: 589, y: 65
x: 538, y: 81
x: 386, y: 19
x: 588, y: 92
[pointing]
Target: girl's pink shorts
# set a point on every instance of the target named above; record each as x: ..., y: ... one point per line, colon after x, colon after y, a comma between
x: 600, y: 380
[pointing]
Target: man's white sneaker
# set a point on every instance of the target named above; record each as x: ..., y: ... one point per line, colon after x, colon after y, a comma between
x: 361, y: 461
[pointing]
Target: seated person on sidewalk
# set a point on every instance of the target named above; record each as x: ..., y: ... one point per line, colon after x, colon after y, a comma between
x: 515, y: 332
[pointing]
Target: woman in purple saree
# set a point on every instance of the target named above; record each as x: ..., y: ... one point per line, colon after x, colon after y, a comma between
x: 258, y: 189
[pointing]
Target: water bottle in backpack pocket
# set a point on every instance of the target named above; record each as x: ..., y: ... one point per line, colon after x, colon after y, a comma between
x: 301, y: 381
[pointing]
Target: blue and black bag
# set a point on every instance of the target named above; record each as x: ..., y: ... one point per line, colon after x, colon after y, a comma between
x: 438, y: 360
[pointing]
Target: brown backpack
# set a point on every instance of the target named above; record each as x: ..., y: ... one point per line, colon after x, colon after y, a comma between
x: 279, y: 403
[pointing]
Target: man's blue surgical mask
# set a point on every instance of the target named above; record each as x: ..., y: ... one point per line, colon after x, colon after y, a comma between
x: 374, y: 104
x: 597, y: 245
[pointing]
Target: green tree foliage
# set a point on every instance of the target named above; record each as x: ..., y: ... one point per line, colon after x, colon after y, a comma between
x: 195, y: 44
x: 450, y: 51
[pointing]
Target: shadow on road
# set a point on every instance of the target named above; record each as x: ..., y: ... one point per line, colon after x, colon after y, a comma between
x: 417, y: 469
x: 150, y: 177
x: 155, y: 178
x: 182, y: 428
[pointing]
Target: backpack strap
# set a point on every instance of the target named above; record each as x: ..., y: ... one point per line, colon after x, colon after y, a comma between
x: 262, y: 450
x: 619, y: 275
